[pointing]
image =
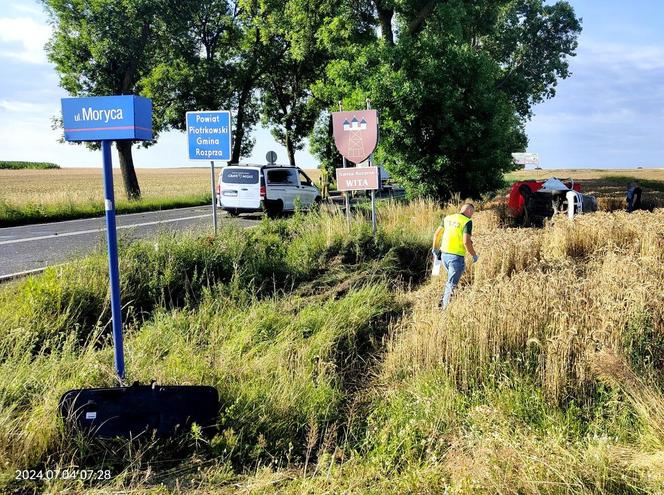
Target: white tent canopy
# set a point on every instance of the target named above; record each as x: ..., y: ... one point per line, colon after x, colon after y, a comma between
x: 554, y: 184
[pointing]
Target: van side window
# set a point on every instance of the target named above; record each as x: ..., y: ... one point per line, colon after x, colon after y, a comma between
x: 304, y: 180
x: 284, y: 177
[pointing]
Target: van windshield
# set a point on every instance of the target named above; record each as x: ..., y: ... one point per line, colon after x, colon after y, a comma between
x: 239, y: 176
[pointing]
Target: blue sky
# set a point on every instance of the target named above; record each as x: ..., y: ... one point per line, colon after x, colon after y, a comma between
x: 610, y: 113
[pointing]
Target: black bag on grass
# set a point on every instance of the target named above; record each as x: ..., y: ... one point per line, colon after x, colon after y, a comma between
x: 140, y: 409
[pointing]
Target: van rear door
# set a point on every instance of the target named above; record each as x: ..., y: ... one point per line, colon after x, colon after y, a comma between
x: 240, y: 188
x: 282, y: 185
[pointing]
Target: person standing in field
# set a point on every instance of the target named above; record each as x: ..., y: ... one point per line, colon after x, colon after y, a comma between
x: 451, y: 241
x: 633, y: 197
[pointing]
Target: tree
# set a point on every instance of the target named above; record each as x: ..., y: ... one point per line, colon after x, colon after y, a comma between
x: 211, y: 59
x: 297, y: 57
x: 287, y: 105
x: 104, y: 47
x: 454, y: 82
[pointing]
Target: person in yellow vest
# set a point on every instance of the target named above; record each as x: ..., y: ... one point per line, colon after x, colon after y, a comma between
x: 451, y: 241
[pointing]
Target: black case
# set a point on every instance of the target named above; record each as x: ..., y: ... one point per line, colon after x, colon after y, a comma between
x: 150, y: 409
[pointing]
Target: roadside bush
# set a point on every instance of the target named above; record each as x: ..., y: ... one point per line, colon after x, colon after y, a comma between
x: 22, y: 165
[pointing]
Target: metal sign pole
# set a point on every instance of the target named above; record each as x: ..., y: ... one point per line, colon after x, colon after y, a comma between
x: 214, y: 199
x: 113, y: 269
x: 373, y: 212
x: 347, y: 200
x: 346, y: 194
x: 373, y: 192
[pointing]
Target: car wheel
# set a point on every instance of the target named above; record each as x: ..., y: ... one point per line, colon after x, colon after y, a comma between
x: 275, y: 209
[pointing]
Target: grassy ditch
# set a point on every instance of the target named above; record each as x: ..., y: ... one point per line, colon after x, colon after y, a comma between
x: 281, y: 318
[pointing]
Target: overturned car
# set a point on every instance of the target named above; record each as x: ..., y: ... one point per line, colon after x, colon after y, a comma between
x: 530, y: 202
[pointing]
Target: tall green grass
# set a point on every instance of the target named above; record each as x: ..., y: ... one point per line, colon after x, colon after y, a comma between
x: 30, y: 213
x: 280, y: 318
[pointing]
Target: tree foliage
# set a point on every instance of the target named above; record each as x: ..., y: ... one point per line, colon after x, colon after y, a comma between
x: 455, y: 82
x: 211, y: 59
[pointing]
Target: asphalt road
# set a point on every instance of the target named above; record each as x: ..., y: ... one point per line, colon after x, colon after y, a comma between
x: 33, y: 247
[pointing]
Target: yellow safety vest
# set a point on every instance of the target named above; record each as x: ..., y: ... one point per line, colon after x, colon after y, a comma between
x: 452, y: 241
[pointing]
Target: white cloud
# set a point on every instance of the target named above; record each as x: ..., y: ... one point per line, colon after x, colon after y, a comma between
x: 28, y: 9
x: 23, y: 38
x: 623, y: 55
x: 22, y: 107
x: 609, y: 113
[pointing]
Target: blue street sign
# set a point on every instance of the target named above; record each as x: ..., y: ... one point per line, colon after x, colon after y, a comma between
x: 209, y: 135
x: 108, y: 119
x: 99, y: 118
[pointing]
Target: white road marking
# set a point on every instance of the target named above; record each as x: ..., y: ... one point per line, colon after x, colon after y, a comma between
x: 95, y: 231
x: 88, y: 219
x: 34, y: 271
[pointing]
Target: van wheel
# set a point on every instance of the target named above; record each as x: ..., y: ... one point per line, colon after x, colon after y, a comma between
x: 275, y: 208
x: 234, y: 213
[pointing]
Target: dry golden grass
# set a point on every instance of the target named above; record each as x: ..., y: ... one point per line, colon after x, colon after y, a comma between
x: 86, y: 184
x: 494, y: 383
x: 589, y: 174
x: 552, y: 297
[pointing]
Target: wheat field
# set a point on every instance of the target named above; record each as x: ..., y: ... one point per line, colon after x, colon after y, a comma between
x: 86, y: 184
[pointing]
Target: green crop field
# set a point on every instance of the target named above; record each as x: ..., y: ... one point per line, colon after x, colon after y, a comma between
x: 336, y: 371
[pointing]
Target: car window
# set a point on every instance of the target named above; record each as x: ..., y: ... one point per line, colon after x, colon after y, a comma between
x: 283, y: 177
x: 239, y: 176
x: 304, y: 179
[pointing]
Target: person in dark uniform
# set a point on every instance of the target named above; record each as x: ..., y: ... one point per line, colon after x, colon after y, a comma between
x: 633, y: 197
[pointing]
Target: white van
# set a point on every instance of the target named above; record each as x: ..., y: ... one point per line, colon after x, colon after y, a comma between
x: 269, y: 188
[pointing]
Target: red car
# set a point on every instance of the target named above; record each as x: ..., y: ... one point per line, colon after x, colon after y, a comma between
x: 531, y: 201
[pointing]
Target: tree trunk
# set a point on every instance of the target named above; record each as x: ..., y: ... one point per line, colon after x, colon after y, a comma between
x: 290, y: 149
x: 385, y: 19
x: 415, y: 26
x: 239, y: 124
x: 238, y: 136
x: 129, y: 178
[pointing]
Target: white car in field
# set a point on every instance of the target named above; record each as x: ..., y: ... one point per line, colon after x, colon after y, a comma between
x: 269, y: 188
